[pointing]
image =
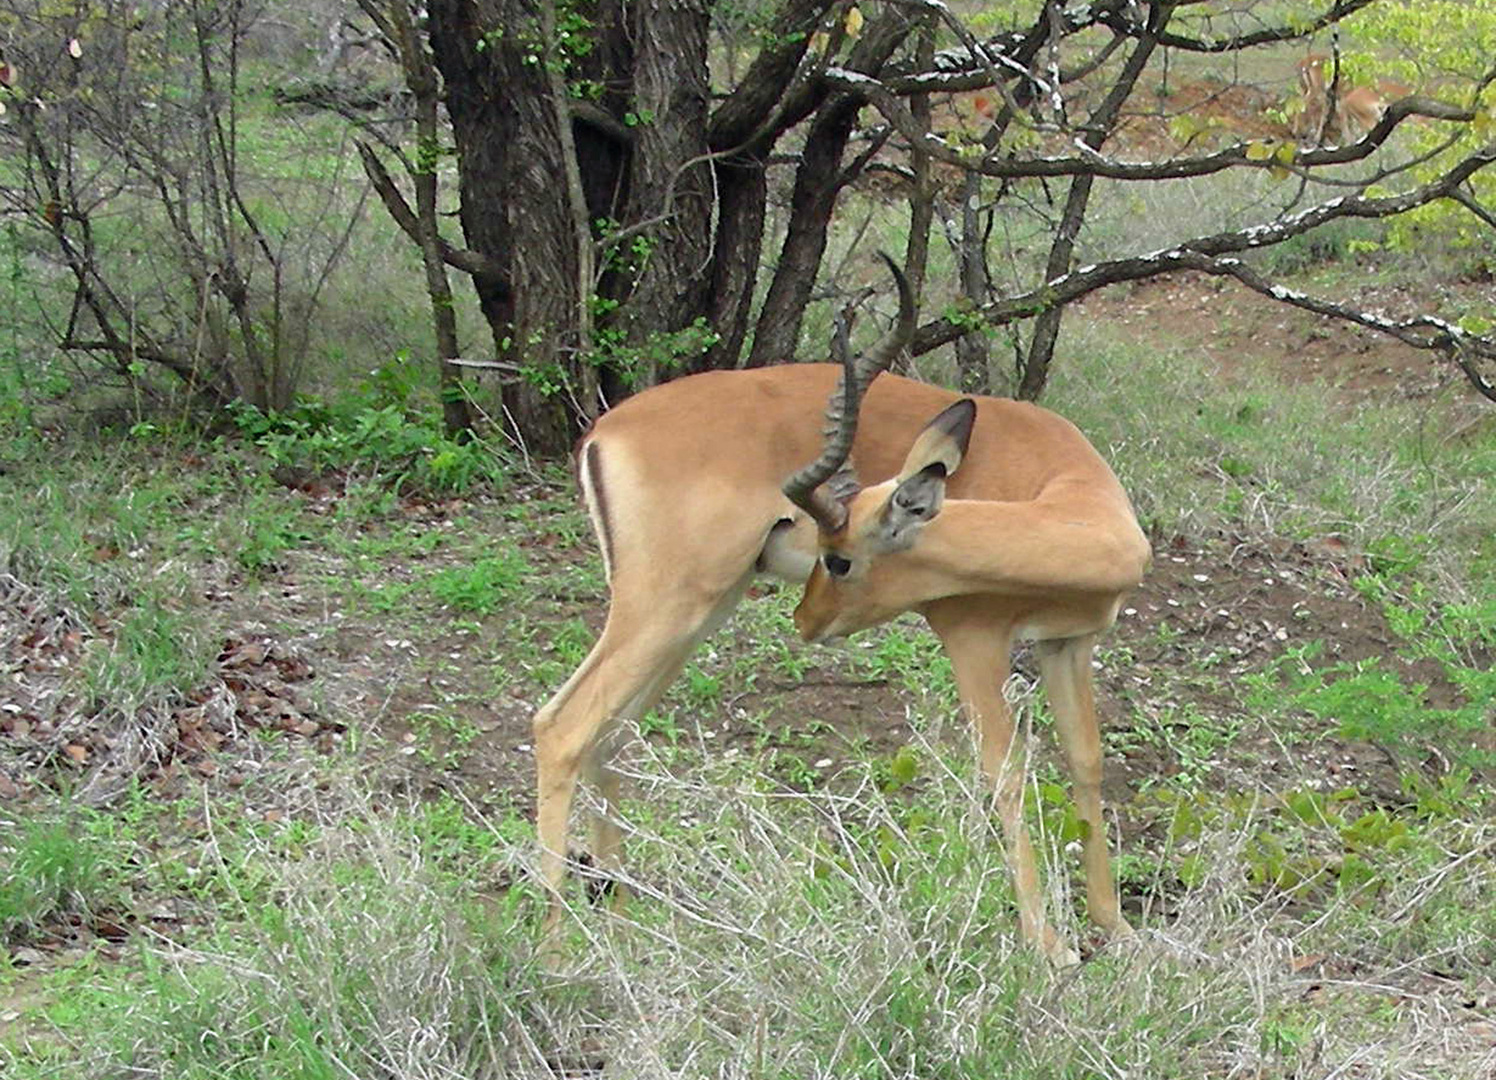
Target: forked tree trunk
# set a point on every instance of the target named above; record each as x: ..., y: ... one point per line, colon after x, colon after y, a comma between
x: 646, y: 174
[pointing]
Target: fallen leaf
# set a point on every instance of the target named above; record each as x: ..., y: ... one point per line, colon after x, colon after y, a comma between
x: 110, y: 929
x: 1301, y: 963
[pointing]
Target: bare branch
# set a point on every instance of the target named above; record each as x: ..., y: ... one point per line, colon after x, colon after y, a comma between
x: 1469, y: 202
x: 1428, y: 332
x: 1338, y: 11
x: 1190, y: 255
x: 469, y: 262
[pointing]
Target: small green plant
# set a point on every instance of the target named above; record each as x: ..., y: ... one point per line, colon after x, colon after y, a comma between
x: 702, y: 689
x: 482, y: 587
x: 49, y: 869
x: 269, y: 531
x: 454, y: 842
x: 660, y: 722
x: 792, y: 770
x: 443, y: 739
x: 1192, y: 742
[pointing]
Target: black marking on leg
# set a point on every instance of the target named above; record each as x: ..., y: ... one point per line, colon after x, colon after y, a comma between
x: 598, y: 884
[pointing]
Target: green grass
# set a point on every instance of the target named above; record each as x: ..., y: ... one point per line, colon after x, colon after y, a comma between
x: 321, y: 967
x: 787, y: 934
x: 1198, y: 455
x: 52, y: 869
x: 481, y: 587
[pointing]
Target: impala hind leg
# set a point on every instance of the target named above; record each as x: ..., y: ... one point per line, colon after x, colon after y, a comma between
x: 571, y: 736
x: 637, y: 656
x: 606, y: 836
x: 1065, y: 667
x: 978, y: 648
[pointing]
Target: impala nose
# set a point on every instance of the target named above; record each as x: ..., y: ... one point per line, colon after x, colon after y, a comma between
x: 809, y: 626
x: 803, y: 626
x: 815, y: 628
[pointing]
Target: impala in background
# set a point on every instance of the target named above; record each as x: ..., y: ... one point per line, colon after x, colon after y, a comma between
x: 994, y: 519
x: 1335, y: 112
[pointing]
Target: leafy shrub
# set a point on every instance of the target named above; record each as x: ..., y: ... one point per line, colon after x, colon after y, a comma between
x: 372, y: 431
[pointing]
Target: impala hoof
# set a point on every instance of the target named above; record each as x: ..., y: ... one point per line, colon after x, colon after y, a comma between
x: 1062, y: 956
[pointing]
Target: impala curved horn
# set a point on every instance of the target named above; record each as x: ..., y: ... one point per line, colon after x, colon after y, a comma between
x: 806, y: 488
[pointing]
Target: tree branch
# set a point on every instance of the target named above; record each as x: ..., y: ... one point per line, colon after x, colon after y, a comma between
x: 1098, y: 127
x: 972, y: 68
x: 1194, y: 253
x: 748, y: 108
x: 1338, y: 11
x: 1091, y: 163
x: 1455, y: 344
x: 469, y: 262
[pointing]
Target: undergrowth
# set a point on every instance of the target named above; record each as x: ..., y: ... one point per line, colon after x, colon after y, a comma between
x: 385, y: 431
x: 789, y: 934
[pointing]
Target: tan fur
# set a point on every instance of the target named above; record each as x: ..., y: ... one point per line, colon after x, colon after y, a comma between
x: 1034, y: 539
x: 1357, y: 109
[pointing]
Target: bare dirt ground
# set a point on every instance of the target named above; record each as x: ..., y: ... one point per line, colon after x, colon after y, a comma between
x: 1241, y: 332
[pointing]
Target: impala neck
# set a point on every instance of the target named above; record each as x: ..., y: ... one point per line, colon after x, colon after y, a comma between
x: 986, y: 546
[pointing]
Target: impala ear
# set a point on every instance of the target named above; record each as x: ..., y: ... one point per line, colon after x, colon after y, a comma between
x: 943, y: 442
x: 919, y: 491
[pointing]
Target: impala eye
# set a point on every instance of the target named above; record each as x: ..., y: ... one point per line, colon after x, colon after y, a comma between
x: 836, y: 566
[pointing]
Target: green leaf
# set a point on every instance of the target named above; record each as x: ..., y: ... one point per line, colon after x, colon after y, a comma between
x: 903, y: 767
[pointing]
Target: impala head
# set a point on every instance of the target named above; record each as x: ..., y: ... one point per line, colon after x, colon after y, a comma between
x: 866, y: 572
x: 1312, y: 73
x: 858, y: 580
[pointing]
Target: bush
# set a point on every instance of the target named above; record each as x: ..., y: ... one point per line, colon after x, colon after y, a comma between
x: 410, y: 453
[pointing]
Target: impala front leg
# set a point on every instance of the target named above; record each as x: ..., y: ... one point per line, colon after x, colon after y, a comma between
x: 1066, y: 669
x: 978, y: 648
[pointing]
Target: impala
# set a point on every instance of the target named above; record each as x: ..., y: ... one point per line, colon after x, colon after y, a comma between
x: 994, y: 519
x: 1348, y: 114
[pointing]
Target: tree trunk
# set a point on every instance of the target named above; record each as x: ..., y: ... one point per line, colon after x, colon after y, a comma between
x: 1103, y: 120
x: 667, y: 268
x: 818, y: 180
x: 512, y: 207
